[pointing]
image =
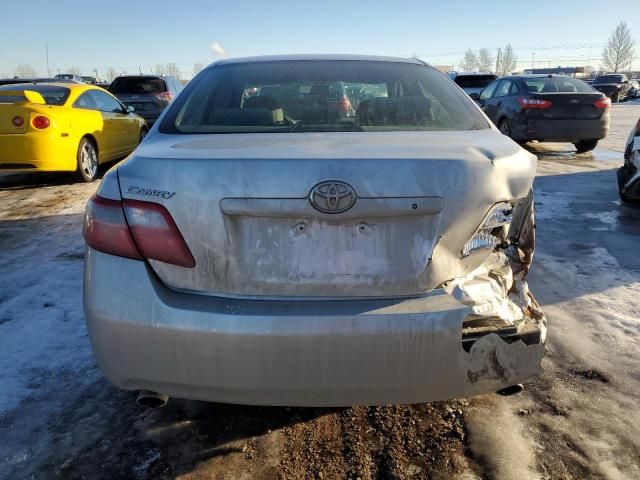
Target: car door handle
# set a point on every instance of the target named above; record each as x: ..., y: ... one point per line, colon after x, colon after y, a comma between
x: 499, y: 103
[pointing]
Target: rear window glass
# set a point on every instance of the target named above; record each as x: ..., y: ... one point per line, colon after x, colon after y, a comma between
x: 608, y: 79
x: 138, y: 85
x: 320, y: 96
x: 556, y: 85
x: 52, y: 95
x: 474, y: 81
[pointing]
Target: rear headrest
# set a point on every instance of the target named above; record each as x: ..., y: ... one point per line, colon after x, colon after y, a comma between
x: 549, y: 87
x: 410, y: 110
x: 269, y: 103
x: 246, y: 116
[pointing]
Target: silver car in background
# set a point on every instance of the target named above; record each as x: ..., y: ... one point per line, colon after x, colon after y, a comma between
x: 262, y: 247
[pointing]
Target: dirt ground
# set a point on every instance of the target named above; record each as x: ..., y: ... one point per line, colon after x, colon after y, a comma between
x: 59, y: 418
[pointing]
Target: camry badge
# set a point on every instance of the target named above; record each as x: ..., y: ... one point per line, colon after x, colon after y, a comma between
x: 332, y: 196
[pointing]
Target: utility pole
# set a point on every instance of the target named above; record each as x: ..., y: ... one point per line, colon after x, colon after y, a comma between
x: 46, y: 47
x: 498, y: 59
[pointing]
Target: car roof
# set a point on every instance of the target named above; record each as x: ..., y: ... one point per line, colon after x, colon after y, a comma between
x: 465, y: 74
x: 317, y: 57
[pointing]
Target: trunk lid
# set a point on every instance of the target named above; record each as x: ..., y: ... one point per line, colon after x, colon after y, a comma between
x: 242, y: 204
x: 570, y: 105
x: 8, y: 112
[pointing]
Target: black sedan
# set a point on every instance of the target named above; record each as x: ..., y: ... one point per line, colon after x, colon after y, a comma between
x: 551, y: 108
x: 616, y: 86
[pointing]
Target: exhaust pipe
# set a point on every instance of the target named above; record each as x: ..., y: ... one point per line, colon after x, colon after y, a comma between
x: 149, y: 399
x: 511, y: 390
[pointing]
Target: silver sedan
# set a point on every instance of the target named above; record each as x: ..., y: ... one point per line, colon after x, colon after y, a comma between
x: 315, y: 230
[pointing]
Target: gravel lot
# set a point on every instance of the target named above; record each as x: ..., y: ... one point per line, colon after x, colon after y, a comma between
x: 59, y: 418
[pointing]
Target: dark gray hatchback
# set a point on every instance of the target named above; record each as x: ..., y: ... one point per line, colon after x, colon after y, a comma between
x: 147, y: 94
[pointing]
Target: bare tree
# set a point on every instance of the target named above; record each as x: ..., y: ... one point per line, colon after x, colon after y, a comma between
x: 618, y: 53
x: 73, y: 70
x: 485, y: 60
x: 159, y: 69
x: 173, y: 70
x: 506, y: 61
x: 25, y: 70
x: 470, y: 61
x: 197, y: 67
x: 111, y: 73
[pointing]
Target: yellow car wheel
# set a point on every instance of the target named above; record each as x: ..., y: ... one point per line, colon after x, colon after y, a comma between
x: 87, y: 160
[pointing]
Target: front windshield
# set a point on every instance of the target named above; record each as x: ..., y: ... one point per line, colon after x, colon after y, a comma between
x: 320, y: 96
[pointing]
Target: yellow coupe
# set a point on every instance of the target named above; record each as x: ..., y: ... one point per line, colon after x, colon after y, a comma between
x: 64, y: 127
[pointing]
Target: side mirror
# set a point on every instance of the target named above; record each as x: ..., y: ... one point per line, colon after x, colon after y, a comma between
x: 474, y: 96
x: 130, y: 109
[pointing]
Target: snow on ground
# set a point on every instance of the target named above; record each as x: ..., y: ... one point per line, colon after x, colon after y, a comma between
x: 59, y: 418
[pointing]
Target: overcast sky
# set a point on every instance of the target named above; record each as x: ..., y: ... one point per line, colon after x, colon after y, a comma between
x: 132, y: 36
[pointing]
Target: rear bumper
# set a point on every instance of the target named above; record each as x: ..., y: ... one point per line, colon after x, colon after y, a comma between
x: 562, y: 130
x: 302, y: 353
x: 37, y: 151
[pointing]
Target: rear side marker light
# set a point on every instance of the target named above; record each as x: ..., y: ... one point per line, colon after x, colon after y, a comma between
x: 17, y: 121
x: 40, y: 122
x: 603, y: 103
x: 534, y: 103
x: 135, y: 229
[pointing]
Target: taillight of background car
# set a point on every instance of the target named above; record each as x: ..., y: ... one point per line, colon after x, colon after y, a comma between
x: 604, y: 102
x: 164, y: 96
x: 534, y: 103
x: 40, y: 122
x: 135, y: 229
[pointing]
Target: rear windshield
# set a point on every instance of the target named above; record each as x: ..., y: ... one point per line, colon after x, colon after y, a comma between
x: 608, y: 79
x: 138, y: 85
x: 320, y: 96
x: 52, y: 95
x: 474, y: 81
x: 556, y: 85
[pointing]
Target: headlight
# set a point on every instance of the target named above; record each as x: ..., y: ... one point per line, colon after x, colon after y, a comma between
x: 492, y: 231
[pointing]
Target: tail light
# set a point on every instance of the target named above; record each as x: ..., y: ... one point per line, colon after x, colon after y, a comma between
x: 17, y: 121
x: 40, y: 122
x: 534, y: 103
x: 135, y: 229
x: 492, y: 231
x: 164, y: 96
x: 604, y: 102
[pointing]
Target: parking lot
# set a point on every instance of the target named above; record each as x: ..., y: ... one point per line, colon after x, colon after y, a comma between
x: 59, y: 418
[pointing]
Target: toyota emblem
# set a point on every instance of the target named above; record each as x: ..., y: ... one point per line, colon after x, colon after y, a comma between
x: 332, y: 197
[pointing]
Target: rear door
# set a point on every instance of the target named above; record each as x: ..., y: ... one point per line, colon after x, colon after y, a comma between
x: 492, y: 105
